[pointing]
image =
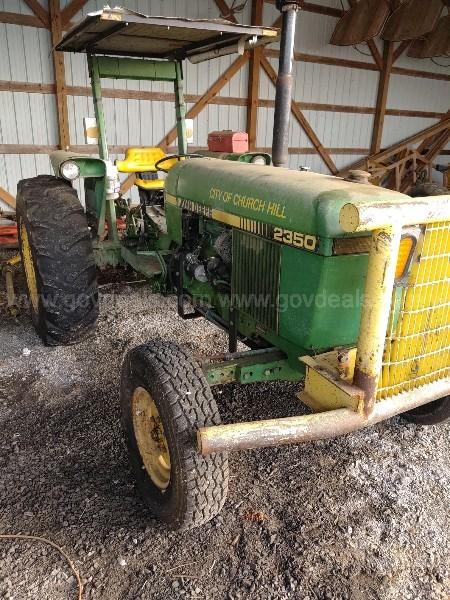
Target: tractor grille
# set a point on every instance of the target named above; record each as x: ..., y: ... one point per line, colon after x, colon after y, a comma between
x: 417, y: 349
x: 255, y: 281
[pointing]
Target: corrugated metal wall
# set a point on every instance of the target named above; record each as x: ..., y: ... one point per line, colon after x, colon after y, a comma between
x: 30, y: 118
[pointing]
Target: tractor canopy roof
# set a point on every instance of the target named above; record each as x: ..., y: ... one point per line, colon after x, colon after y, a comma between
x: 122, y: 32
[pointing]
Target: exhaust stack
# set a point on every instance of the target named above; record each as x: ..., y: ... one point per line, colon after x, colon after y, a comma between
x: 283, y: 95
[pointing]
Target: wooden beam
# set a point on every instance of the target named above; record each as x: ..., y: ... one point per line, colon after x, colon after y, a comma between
x: 428, y: 141
x: 225, y: 11
x: 25, y: 86
x: 26, y: 149
x: 433, y: 149
x: 195, y: 110
x: 417, y: 73
x: 357, y: 64
x: 412, y: 139
x: 375, y: 54
x: 388, y: 153
x: 253, y: 78
x: 401, y: 49
x: 7, y: 198
x: 39, y: 11
x: 270, y: 71
x: 120, y: 149
x: 11, y: 18
x: 438, y: 145
x: 49, y: 88
x: 60, y: 79
x: 152, y: 96
x: 70, y: 11
x: 383, y: 88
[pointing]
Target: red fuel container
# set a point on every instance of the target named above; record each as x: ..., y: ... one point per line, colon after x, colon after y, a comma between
x: 228, y: 141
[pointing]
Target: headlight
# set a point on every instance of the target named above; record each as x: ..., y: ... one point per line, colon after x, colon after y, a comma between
x: 70, y: 170
x: 259, y: 159
x: 361, y: 245
x: 405, y: 255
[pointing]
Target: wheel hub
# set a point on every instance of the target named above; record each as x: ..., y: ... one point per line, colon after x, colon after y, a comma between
x: 150, y: 438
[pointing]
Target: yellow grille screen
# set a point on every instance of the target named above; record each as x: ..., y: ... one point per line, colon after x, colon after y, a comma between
x: 417, y: 349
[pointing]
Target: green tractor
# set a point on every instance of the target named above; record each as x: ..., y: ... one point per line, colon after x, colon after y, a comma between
x: 337, y: 283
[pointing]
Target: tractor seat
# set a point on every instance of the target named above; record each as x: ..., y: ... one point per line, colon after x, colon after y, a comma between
x: 149, y: 184
x: 143, y: 160
x: 140, y: 160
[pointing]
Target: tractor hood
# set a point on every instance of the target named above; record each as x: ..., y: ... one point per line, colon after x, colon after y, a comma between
x: 296, y: 200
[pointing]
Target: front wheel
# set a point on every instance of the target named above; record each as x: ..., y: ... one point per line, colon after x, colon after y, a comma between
x: 165, y: 399
x: 432, y: 413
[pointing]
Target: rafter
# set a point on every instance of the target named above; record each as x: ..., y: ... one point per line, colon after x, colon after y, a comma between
x: 39, y: 11
x: 12, y: 18
x: 303, y: 121
x: 71, y: 10
x: 383, y: 88
x: 225, y: 11
x: 357, y: 64
x: 427, y: 137
x: 401, y: 48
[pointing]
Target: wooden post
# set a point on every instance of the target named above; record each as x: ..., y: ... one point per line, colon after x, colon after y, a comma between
x: 39, y: 11
x: 253, y: 78
x: 60, y: 81
x: 70, y: 11
x: 383, y: 88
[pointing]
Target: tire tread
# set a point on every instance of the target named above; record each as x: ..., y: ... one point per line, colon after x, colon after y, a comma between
x: 62, y: 253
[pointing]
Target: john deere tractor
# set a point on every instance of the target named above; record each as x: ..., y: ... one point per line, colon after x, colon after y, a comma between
x: 340, y: 284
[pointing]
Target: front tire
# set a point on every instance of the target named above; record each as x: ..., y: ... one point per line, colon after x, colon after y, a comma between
x: 58, y: 260
x: 165, y: 398
x: 432, y: 413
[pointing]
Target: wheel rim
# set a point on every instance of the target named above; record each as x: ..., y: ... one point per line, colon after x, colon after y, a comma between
x: 30, y: 273
x: 150, y: 438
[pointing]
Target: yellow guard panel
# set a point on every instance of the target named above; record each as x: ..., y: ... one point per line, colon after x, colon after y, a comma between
x: 417, y: 350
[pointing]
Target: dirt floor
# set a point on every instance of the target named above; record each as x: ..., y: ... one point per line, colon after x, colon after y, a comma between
x: 362, y: 517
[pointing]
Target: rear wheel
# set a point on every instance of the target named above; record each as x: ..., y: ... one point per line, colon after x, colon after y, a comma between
x: 56, y: 249
x: 431, y: 413
x: 165, y: 398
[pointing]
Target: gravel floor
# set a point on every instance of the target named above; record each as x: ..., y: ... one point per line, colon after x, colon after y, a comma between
x: 362, y: 517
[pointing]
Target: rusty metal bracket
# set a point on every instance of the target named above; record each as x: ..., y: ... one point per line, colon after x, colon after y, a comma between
x: 8, y: 271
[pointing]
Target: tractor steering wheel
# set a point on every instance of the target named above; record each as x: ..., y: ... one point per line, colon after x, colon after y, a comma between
x: 174, y: 156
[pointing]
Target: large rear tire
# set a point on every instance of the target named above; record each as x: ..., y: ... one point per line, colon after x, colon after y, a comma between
x: 56, y: 249
x: 430, y: 414
x: 165, y: 398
